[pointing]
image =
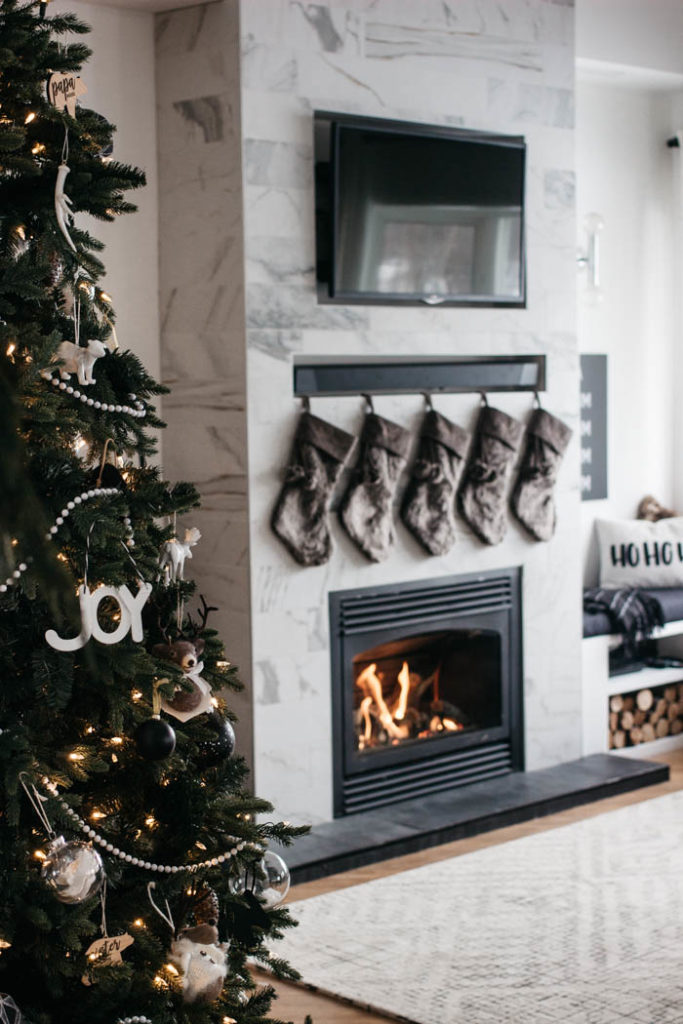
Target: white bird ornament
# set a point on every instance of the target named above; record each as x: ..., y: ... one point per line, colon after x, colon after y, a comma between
x: 63, y: 204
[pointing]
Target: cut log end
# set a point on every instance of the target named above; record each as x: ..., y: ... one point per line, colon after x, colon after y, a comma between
x: 644, y: 700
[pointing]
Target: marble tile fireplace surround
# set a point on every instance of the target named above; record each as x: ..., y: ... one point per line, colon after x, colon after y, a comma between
x: 238, y: 82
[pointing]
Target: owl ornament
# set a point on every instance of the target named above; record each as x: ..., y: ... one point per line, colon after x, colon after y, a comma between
x: 202, y: 963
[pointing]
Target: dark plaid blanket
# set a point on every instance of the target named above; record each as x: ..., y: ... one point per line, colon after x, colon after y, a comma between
x: 633, y: 613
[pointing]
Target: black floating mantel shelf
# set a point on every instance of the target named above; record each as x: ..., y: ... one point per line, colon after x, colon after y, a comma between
x: 356, y: 375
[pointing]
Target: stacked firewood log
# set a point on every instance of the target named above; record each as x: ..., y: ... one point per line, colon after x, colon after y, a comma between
x: 645, y: 715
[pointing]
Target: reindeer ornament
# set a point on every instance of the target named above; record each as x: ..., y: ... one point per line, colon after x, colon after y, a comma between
x: 174, y: 552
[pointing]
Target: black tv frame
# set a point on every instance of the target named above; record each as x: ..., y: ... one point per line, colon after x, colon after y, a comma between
x: 327, y: 208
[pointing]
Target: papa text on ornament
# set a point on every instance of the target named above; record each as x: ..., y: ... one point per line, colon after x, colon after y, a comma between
x: 63, y: 90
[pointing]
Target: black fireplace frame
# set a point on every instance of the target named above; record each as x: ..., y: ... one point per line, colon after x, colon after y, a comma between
x: 366, y: 617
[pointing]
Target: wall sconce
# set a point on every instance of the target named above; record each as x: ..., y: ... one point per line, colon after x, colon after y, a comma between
x: 590, y: 258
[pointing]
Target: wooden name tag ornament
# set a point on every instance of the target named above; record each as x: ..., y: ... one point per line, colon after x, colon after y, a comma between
x: 130, y: 606
x: 106, y: 952
x: 64, y: 90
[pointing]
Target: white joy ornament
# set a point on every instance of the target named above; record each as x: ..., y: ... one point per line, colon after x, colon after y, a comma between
x: 130, y: 606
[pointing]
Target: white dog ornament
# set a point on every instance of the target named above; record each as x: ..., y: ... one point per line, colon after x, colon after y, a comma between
x: 78, y: 360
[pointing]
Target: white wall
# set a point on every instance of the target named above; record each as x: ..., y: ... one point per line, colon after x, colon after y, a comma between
x: 120, y: 82
x: 675, y: 126
x: 624, y: 173
x: 629, y: 101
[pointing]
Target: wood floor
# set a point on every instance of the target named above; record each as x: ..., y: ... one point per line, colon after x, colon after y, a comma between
x: 295, y: 1002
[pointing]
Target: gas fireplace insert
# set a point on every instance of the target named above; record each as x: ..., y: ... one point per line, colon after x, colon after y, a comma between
x: 427, y: 691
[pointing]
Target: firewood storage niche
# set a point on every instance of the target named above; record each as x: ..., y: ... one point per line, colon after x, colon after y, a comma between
x: 426, y: 687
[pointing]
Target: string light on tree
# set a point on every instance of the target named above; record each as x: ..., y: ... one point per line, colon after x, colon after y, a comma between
x: 66, y: 388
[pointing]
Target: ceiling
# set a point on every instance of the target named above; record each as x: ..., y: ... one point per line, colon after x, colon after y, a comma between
x: 597, y: 72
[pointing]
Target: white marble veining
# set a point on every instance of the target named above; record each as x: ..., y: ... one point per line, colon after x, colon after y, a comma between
x: 202, y: 307
x: 503, y: 67
x: 238, y: 303
x: 577, y: 925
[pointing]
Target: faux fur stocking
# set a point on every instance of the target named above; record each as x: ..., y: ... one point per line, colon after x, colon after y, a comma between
x: 532, y: 498
x: 366, y: 512
x: 429, y: 503
x: 481, y: 498
x: 300, y: 516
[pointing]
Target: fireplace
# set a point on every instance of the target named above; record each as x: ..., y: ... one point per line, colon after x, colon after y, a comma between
x: 427, y: 687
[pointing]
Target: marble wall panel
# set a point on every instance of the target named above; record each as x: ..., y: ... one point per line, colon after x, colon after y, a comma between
x: 201, y: 262
x: 238, y: 264
x: 478, y: 63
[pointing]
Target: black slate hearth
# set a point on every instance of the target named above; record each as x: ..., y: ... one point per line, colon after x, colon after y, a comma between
x: 421, y: 823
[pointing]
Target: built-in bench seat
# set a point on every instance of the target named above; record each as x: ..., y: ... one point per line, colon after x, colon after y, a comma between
x: 598, y: 686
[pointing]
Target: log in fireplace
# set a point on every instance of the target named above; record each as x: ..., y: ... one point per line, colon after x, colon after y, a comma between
x: 427, y: 687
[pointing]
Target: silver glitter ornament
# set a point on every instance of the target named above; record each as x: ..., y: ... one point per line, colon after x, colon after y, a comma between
x: 9, y: 1011
x: 268, y: 879
x: 73, y: 870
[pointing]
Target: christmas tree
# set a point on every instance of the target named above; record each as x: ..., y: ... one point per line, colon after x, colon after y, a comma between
x: 138, y: 878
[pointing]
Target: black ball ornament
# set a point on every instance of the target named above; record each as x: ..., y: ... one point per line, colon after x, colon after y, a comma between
x: 212, y: 751
x: 155, y: 739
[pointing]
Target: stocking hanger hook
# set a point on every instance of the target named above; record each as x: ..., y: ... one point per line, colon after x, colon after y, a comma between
x: 427, y: 395
x: 484, y: 398
x: 306, y: 403
x: 368, y: 399
x: 537, y: 400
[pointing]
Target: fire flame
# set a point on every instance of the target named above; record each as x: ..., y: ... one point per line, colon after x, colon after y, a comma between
x: 404, y: 683
x: 389, y: 714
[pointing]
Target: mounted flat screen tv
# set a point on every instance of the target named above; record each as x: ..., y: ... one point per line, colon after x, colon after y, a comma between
x: 413, y: 213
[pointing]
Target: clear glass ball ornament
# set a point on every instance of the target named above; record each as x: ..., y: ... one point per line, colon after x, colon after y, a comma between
x: 74, y: 871
x: 9, y: 1011
x: 268, y: 879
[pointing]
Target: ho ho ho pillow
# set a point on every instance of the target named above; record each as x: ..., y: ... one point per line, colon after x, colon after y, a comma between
x: 636, y: 553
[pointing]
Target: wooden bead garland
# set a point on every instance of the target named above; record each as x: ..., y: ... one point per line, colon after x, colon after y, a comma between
x: 96, y: 492
x: 169, y: 869
x: 138, y: 411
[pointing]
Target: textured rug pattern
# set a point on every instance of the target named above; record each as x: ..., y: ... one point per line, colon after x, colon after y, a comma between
x: 578, y: 925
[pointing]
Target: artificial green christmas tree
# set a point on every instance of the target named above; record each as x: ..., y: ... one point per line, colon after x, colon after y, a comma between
x: 136, y: 880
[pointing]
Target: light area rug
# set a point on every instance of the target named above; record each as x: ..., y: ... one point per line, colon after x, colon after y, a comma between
x: 581, y: 924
